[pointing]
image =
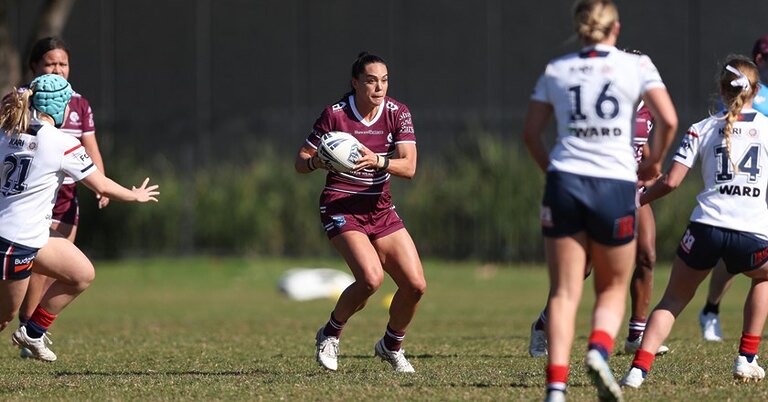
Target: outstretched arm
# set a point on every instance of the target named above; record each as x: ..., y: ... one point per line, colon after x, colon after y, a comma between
x: 666, y: 183
x: 101, y: 184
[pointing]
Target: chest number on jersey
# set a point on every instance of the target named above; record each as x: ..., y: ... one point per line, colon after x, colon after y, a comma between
x: 748, y: 164
x: 606, y: 106
x: 15, y: 172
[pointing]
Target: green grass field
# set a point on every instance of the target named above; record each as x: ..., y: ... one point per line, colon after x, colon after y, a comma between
x: 217, y: 329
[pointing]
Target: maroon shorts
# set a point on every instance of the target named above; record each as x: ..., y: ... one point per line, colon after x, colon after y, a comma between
x: 373, y: 215
x: 67, y: 209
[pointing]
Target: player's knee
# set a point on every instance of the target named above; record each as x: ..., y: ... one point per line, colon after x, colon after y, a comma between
x: 372, y: 283
x: 84, y: 279
x: 417, y: 289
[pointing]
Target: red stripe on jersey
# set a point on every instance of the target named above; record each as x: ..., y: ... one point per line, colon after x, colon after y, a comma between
x: 692, y: 134
x: 73, y: 149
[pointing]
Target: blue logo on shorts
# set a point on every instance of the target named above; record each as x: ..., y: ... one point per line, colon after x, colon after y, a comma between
x: 339, y: 221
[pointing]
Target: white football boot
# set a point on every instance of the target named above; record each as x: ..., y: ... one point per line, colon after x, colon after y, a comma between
x: 746, y: 371
x: 633, y: 379
x: 37, y: 346
x: 630, y: 347
x: 396, y: 359
x: 327, y: 350
x: 710, y: 327
x: 597, y: 368
x: 537, y: 344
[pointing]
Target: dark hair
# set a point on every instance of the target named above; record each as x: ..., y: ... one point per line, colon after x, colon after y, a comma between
x: 44, y: 46
x: 363, y: 59
x: 760, y: 46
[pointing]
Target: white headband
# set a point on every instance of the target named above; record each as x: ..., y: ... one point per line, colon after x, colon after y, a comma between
x: 742, y: 80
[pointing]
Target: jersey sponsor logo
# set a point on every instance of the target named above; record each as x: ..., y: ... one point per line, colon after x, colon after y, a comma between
x: 685, y: 146
x: 590, y: 132
x: 545, y: 215
x: 74, y: 117
x: 389, y: 137
x: 339, y: 220
x: 339, y: 106
x: 25, y: 260
x: 581, y: 69
x: 734, y: 131
x: 759, y: 257
x: 743, y: 191
x: 370, y: 132
x: 686, y: 243
x: 391, y: 106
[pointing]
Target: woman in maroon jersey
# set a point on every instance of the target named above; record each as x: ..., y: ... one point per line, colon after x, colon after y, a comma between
x: 51, y: 56
x: 357, y: 212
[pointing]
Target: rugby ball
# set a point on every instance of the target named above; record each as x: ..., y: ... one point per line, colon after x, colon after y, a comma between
x: 339, y: 151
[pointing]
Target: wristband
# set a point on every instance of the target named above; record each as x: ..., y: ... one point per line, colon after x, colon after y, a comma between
x: 311, y: 165
x: 386, y: 163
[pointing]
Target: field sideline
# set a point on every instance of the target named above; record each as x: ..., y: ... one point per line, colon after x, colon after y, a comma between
x: 217, y: 329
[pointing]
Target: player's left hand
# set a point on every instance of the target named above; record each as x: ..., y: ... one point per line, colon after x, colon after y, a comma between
x: 648, y: 170
x: 367, y: 160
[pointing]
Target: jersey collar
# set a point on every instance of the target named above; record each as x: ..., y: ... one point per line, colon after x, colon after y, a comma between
x: 360, y: 117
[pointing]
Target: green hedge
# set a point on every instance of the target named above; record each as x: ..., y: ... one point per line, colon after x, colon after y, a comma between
x: 476, y: 199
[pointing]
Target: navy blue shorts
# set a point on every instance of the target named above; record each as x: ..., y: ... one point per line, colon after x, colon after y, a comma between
x: 702, y: 245
x: 604, y: 208
x: 17, y: 260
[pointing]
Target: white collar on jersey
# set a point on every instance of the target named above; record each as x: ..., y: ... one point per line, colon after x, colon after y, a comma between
x: 598, y: 46
x: 360, y: 117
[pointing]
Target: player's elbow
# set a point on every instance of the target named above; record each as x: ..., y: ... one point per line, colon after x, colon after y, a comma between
x: 410, y: 172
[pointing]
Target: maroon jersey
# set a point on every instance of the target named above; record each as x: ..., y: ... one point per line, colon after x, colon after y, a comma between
x: 643, y: 126
x: 78, y: 121
x: 392, y: 125
x: 78, y: 118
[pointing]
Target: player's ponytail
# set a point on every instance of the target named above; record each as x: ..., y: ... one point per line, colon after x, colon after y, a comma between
x: 738, y: 82
x: 15, y: 112
x: 594, y: 20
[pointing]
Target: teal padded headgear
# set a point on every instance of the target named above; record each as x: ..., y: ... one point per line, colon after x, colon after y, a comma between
x: 50, y: 95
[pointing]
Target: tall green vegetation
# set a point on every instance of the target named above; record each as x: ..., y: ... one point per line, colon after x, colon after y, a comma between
x: 478, y: 199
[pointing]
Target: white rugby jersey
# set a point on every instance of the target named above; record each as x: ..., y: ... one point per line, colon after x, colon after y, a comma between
x: 595, y: 93
x: 34, y: 165
x: 734, y: 195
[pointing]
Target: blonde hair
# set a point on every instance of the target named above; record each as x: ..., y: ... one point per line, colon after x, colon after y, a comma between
x: 594, y: 19
x: 15, y: 111
x: 735, y: 96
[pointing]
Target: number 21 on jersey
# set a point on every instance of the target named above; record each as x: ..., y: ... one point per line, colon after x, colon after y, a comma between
x: 15, y: 171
